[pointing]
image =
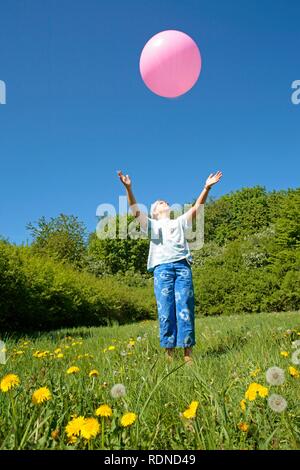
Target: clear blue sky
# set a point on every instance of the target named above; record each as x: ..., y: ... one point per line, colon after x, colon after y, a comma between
x: 77, y: 109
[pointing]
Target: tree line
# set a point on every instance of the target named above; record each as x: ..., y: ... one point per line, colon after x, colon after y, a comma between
x: 250, y: 262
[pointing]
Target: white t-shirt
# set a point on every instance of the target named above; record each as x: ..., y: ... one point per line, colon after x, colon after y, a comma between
x: 168, y: 241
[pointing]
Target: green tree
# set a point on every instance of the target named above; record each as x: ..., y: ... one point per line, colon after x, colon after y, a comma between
x: 236, y: 214
x: 63, y: 238
x: 113, y: 255
x: 287, y: 224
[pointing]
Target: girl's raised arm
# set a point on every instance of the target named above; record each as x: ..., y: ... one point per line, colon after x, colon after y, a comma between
x: 211, y: 180
x: 140, y: 215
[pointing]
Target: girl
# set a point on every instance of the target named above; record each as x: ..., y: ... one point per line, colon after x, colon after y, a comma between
x: 169, y: 259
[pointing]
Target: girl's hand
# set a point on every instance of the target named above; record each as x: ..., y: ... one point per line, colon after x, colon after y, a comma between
x: 213, y: 179
x: 125, y: 179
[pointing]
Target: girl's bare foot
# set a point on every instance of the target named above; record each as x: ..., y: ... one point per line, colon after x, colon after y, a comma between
x: 188, y: 355
x: 169, y: 354
x: 188, y: 360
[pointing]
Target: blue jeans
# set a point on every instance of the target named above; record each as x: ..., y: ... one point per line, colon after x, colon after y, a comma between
x: 174, y: 292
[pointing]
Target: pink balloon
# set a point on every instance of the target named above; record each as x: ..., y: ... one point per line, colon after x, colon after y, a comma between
x: 170, y: 63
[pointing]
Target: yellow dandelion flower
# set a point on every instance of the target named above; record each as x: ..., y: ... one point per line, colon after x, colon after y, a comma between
x: 74, y: 426
x: 73, y: 370
x: 55, y: 434
x: 40, y: 354
x: 294, y: 372
x: 59, y: 356
x: 104, y: 410
x: 128, y: 419
x: 90, y: 428
x: 254, y: 372
x: 58, y: 350
x: 131, y: 343
x: 284, y: 353
x: 94, y: 373
x: 9, y: 381
x: 243, y: 427
x: 111, y: 348
x: 72, y: 440
x: 19, y: 353
x: 251, y: 392
x: 250, y: 395
x: 263, y: 391
x: 254, y: 389
x: 41, y: 395
x: 190, y: 412
x: 243, y: 405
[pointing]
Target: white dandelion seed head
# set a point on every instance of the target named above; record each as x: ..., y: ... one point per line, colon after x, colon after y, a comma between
x: 139, y: 338
x: 275, y: 376
x: 277, y: 403
x: 296, y: 357
x: 296, y: 344
x: 118, y: 391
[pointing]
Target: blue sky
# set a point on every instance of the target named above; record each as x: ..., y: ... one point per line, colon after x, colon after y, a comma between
x: 77, y: 109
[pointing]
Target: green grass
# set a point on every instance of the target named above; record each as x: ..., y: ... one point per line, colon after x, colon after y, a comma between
x: 228, y: 349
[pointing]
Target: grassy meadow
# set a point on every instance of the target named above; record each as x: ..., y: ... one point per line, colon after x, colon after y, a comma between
x: 62, y: 380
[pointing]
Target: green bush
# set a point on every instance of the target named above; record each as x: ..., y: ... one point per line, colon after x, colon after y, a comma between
x: 39, y: 293
x: 249, y: 275
x: 117, y: 255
